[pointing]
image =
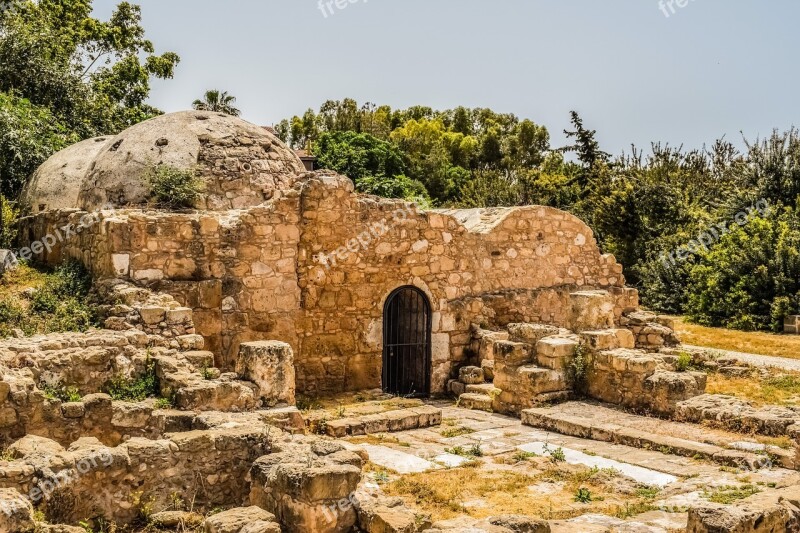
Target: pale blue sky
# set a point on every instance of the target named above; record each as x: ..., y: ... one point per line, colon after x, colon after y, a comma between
x: 714, y: 67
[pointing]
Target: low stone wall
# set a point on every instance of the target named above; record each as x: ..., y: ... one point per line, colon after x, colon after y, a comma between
x: 123, y: 483
x: 308, y: 486
x: 636, y: 379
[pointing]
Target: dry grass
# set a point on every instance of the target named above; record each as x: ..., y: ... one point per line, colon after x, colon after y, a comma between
x: 739, y: 341
x: 480, y: 491
x: 783, y: 389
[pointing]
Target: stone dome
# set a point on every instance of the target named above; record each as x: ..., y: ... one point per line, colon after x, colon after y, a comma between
x: 57, y: 183
x: 240, y: 164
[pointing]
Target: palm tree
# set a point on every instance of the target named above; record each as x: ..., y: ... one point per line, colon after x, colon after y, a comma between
x: 219, y: 101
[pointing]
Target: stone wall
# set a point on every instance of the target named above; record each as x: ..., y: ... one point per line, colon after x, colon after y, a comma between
x: 314, y: 266
x: 207, y: 467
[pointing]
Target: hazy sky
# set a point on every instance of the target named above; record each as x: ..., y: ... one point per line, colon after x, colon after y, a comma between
x: 712, y: 68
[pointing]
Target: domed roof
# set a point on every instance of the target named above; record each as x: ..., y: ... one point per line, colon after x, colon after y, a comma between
x: 240, y: 164
x: 57, y: 183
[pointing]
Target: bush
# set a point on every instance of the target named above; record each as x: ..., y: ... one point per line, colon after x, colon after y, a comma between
x: 173, y: 188
x: 751, y: 279
x: 8, y: 219
x: 684, y: 362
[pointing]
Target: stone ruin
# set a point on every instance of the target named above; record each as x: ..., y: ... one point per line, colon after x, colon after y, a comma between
x: 284, y: 283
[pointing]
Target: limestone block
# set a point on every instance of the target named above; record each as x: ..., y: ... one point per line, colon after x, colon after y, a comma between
x: 455, y: 387
x: 270, y: 365
x: 181, y: 315
x: 509, y: 353
x: 8, y: 417
x: 16, y: 512
x: 590, y: 310
x: 556, y: 352
x: 387, y: 515
x: 471, y: 375
x: 33, y: 445
x: 488, y: 369
x: 152, y: 315
x: 242, y: 520
x: 775, y: 511
x: 176, y: 520
x: 608, y: 339
x: 530, y: 333
x: 306, y: 492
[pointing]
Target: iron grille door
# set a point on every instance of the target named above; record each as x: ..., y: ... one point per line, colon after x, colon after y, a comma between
x: 407, y: 343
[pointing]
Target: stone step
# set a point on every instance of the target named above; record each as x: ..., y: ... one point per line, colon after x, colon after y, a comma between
x: 608, y: 339
x: 484, y: 388
x: 556, y: 352
x: 477, y: 402
x: 605, y: 424
x: 386, y: 422
x: 542, y: 380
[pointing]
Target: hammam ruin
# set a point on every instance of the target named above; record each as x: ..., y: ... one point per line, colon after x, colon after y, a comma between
x: 282, y: 284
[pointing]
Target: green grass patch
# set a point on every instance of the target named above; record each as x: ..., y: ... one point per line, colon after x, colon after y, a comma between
x: 37, y: 300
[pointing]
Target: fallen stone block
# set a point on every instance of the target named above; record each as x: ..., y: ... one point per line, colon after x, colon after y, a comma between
x: 242, y: 520
x: 270, y: 365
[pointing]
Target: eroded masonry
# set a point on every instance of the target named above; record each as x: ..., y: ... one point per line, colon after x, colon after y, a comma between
x: 284, y: 283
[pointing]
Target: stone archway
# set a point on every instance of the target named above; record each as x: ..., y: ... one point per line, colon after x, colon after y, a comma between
x: 407, y: 343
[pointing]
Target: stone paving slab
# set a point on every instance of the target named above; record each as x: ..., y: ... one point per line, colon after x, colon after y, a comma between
x: 606, y: 424
x: 574, y: 457
x: 400, y: 462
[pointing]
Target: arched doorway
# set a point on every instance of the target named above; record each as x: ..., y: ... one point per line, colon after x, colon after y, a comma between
x: 407, y: 343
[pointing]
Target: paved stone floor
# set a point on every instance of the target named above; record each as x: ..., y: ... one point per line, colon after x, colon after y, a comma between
x: 679, y: 481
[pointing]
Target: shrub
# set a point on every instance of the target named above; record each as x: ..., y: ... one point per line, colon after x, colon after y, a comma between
x: 173, y: 188
x: 8, y: 218
x: 684, y: 362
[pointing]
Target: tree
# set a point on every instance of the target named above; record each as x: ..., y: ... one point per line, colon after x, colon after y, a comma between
x: 218, y: 102
x: 93, y: 76
x: 585, y: 146
x: 358, y: 155
x: 66, y: 76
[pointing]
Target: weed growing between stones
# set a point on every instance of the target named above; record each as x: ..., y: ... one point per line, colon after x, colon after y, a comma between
x: 61, y: 392
x: 122, y: 388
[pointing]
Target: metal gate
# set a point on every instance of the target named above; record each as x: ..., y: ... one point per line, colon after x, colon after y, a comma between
x: 407, y: 343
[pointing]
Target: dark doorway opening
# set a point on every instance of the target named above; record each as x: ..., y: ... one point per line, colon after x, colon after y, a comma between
x: 407, y: 343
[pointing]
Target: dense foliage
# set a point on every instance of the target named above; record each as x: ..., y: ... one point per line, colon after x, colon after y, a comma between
x: 712, y: 233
